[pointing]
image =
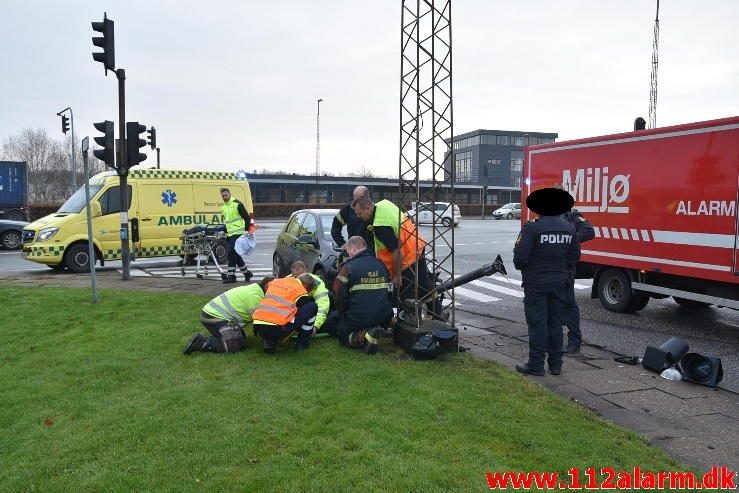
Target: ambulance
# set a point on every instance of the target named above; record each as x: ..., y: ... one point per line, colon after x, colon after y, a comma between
x: 163, y: 203
x: 663, y: 203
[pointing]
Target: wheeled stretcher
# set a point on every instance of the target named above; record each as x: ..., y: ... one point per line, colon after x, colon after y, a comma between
x: 201, y: 241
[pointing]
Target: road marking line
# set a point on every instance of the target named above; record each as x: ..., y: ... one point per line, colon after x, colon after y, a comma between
x: 474, y: 295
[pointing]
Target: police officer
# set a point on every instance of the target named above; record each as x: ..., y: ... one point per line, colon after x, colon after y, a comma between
x: 571, y: 312
x: 546, y: 253
x: 237, y: 221
x: 286, y: 308
x: 319, y: 293
x: 362, y: 292
x: 355, y: 226
x: 225, y: 317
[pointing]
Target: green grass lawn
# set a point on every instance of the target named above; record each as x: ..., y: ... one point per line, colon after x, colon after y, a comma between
x: 100, y: 398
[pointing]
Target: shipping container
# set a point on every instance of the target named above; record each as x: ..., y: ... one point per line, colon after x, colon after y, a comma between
x: 13, y: 190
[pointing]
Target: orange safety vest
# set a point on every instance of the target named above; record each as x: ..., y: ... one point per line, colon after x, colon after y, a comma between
x: 278, y: 306
x: 388, y: 214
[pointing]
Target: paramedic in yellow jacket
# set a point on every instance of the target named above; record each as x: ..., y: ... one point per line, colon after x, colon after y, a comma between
x: 320, y: 293
x: 226, y: 316
x: 399, y: 246
x: 238, y: 222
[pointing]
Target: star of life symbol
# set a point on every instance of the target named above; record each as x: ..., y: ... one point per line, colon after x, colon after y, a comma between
x: 169, y: 197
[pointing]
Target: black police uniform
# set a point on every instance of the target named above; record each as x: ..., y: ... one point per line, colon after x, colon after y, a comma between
x: 355, y: 226
x: 361, y: 295
x: 571, y: 312
x: 546, y: 253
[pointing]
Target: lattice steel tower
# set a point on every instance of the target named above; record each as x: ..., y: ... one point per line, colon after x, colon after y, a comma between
x: 426, y: 128
x: 653, y: 84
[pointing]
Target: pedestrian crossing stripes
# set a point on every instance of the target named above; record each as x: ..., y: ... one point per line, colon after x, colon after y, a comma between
x: 484, y: 290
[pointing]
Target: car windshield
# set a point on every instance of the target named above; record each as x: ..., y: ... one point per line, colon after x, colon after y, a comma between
x: 508, y: 206
x: 76, y: 202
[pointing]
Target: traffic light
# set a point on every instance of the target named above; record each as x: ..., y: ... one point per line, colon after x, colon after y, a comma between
x: 134, y: 143
x: 65, y: 124
x: 107, y: 57
x: 152, y: 138
x: 704, y: 370
x: 107, y: 142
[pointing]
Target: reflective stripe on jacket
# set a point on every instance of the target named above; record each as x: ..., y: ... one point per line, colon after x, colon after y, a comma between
x: 235, y: 224
x: 236, y: 305
x: 320, y: 296
x: 279, y: 304
x: 388, y: 214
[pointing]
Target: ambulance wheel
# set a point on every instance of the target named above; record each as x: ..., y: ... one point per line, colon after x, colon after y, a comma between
x: 77, y: 258
x: 692, y: 304
x: 615, y: 294
x: 59, y: 266
x: 220, y: 249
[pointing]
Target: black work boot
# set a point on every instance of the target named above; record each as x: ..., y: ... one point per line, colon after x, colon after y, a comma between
x: 230, y: 279
x: 527, y: 370
x: 372, y: 337
x: 196, y: 343
x: 248, y: 275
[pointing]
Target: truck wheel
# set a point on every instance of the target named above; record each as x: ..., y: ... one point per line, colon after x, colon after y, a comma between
x: 614, y: 292
x: 638, y: 302
x: 15, y: 215
x: 509, y: 216
x: 11, y: 240
x: 77, y: 258
x: 693, y: 304
x: 447, y: 222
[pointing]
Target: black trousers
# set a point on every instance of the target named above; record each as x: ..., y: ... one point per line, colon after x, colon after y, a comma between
x: 543, y: 306
x: 234, y: 258
x: 216, y: 342
x: 342, y: 326
x: 425, y: 284
x: 302, y: 323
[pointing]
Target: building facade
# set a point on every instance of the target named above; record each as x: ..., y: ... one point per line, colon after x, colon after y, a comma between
x: 493, y: 158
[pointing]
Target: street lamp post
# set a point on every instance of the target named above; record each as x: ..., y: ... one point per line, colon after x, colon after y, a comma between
x: 318, y: 145
x: 74, y: 157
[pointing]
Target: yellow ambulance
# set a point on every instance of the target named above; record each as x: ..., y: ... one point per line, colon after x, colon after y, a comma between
x: 163, y: 203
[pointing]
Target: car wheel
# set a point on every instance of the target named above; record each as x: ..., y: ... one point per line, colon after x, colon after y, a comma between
x: 615, y: 294
x: 12, y: 240
x: 77, y: 258
x: 447, y: 222
x: 15, y: 215
x: 692, y: 304
x: 509, y: 216
x: 276, y: 266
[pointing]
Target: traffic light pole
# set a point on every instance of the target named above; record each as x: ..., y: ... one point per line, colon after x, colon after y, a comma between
x: 123, y: 172
x: 157, y: 158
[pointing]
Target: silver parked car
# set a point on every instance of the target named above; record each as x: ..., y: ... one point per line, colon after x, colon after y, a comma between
x: 508, y: 211
x: 307, y: 236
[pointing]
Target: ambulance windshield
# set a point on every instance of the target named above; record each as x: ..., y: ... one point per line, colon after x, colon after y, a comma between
x: 76, y: 202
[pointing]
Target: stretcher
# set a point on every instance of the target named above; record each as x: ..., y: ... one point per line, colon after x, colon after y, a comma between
x: 202, y: 241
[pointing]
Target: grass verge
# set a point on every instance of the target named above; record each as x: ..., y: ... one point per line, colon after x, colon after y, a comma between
x: 100, y: 398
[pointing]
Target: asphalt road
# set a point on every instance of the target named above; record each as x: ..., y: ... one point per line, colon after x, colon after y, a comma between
x: 711, y: 331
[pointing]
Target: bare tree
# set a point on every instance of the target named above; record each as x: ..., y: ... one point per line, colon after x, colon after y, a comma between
x: 48, y: 162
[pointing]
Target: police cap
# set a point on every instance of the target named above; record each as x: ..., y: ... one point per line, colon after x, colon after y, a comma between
x: 550, y: 201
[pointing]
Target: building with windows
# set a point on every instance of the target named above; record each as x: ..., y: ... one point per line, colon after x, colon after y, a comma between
x: 493, y: 158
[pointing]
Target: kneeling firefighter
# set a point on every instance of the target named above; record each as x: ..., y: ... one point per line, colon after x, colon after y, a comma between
x: 362, y: 291
x: 286, y: 308
x: 225, y: 317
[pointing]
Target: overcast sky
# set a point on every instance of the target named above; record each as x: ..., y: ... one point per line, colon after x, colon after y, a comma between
x: 233, y: 84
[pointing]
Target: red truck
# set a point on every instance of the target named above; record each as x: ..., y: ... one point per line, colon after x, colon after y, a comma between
x: 663, y: 203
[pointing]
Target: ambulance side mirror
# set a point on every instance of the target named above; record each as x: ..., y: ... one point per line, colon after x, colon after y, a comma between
x: 96, y: 209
